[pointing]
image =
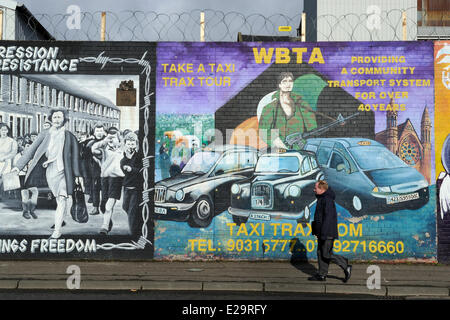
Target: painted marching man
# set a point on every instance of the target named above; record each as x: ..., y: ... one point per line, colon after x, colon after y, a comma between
x: 54, y: 154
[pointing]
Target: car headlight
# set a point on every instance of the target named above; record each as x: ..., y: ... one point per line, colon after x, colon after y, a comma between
x: 423, y: 184
x: 294, y: 191
x: 235, y: 189
x: 179, y: 195
x: 382, y: 189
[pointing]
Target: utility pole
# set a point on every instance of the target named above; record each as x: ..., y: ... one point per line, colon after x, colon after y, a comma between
x: 202, y: 26
x: 303, y: 34
x: 103, y: 28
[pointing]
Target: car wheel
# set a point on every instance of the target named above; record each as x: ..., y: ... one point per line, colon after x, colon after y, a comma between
x: 239, y: 220
x: 202, y: 213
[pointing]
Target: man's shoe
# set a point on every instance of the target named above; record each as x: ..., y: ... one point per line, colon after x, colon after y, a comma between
x: 347, y: 273
x: 103, y: 231
x: 26, y: 215
x: 94, y: 212
x: 317, y: 277
x: 55, y: 235
x: 33, y: 215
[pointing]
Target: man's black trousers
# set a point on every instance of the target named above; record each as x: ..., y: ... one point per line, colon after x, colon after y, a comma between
x: 130, y: 205
x: 325, y: 256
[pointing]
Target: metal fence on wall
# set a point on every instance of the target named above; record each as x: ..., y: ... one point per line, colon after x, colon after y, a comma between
x: 225, y: 26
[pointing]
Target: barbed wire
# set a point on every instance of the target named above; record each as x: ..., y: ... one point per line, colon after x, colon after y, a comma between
x: 147, y: 182
x: 225, y: 26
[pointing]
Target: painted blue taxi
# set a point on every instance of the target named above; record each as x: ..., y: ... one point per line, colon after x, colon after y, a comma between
x: 367, y: 177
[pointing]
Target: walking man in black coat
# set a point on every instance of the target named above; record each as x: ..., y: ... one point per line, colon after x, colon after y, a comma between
x: 325, y: 228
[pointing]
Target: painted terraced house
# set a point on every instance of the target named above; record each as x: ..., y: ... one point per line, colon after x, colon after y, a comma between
x: 25, y: 103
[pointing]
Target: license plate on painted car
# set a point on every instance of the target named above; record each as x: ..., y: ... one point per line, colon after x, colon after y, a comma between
x: 160, y: 210
x: 260, y: 216
x: 258, y: 202
x: 402, y: 198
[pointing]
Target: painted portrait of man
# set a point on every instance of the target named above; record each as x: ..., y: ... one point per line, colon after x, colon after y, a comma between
x: 287, y: 112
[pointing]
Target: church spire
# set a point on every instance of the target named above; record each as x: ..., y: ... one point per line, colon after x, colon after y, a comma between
x: 425, y: 132
x: 391, y: 116
x: 391, y: 127
x: 425, y: 127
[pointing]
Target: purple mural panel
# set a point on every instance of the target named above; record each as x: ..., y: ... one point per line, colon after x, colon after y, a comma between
x: 245, y: 130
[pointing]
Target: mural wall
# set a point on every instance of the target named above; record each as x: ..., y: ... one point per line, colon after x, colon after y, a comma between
x: 244, y: 130
x: 211, y: 150
x: 73, y: 183
x: 442, y: 90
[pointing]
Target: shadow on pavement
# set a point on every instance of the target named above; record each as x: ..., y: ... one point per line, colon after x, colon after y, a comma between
x: 299, y: 258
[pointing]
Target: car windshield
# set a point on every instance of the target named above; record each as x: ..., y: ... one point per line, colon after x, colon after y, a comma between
x: 201, y: 162
x: 277, y: 164
x: 373, y: 158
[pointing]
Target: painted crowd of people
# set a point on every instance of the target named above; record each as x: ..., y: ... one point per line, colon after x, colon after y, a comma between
x: 172, y: 156
x: 105, y: 163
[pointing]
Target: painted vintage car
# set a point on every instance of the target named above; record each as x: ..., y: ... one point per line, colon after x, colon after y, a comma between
x: 282, y: 187
x: 202, y: 189
x: 368, y: 178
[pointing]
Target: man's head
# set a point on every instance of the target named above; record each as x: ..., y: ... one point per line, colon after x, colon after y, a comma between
x: 286, y: 81
x: 99, y: 132
x: 131, y: 141
x: 320, y: 187
x: 113, y: 137
x: 47, y: 124
x: 4, y: 130
x: 58, y: 117
x: 33, y: 136
x: 83, y: 136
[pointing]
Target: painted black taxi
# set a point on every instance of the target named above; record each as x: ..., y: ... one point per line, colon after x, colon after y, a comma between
x: 282, y: 187
x: 202, y: 189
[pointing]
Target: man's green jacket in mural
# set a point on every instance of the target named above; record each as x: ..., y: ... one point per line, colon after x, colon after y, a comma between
x: 273, y: 116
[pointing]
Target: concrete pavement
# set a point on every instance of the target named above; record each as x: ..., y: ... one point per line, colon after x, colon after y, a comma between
x: 399, y: 280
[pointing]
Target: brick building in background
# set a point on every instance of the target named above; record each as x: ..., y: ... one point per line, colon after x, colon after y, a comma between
x: 20, y: 24
x: 25, y: 102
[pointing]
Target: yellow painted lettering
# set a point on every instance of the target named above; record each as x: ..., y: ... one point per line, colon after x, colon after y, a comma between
x: 316, y: 56
x: 299, y: 52
x: 242, y: 229
x: 263, y: 55
x: 282, y: 55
